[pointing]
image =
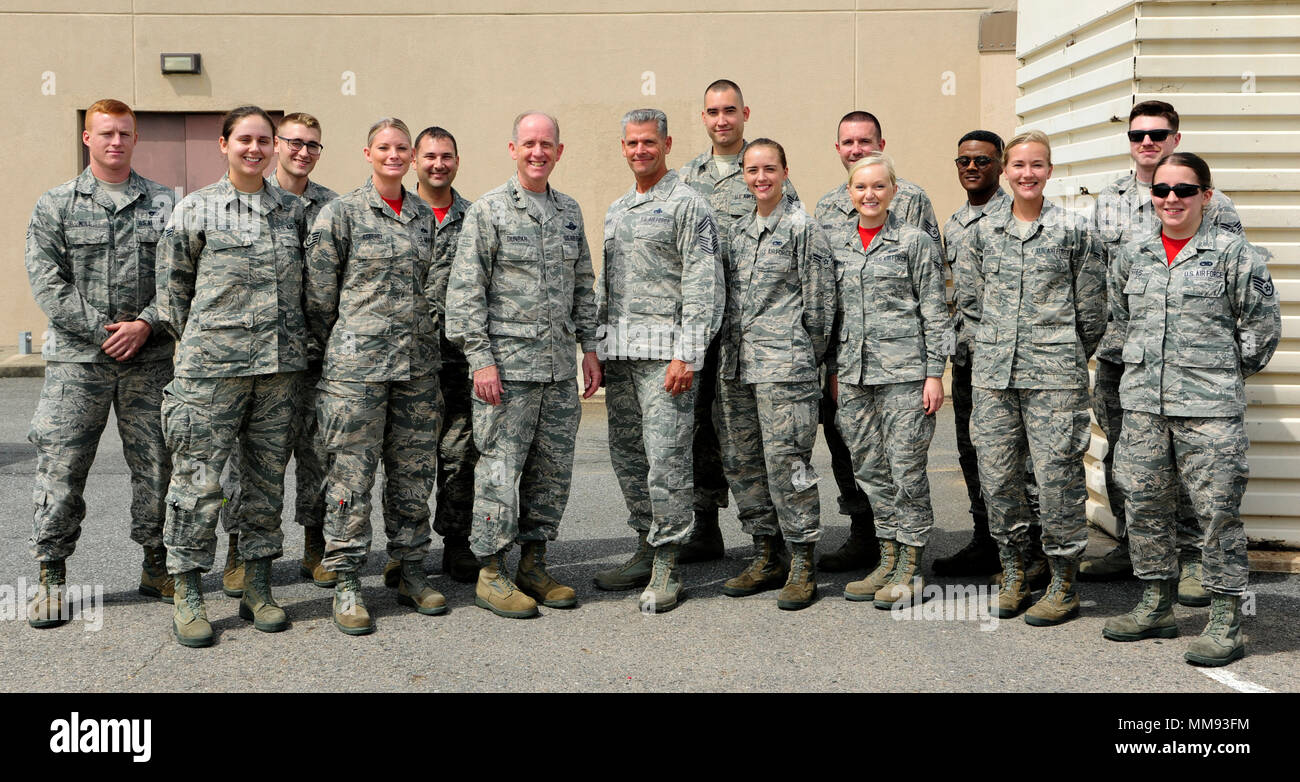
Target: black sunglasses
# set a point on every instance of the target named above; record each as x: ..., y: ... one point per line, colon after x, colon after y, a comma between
x: 983, y: 161
x: 1157, y: 135
x: 1182, y: 190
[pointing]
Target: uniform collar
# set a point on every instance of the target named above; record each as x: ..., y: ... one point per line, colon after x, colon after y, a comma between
x: 888, y: 233
x: 1007, y: 219
x: 523, y: 201
x: 659, y: 192
x: 269, y: 200
x: 87, y: 184
x: 969, y: 214
x: 777, y: 218
x: 376, y: 201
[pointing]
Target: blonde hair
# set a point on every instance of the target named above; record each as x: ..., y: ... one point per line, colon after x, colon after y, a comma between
x: 388, y: 122
x: 1028, y: 137
x: 875, y: 159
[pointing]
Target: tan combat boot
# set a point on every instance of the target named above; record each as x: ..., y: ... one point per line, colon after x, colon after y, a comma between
x: 313, y: 551
x: 189, y: 616
x: 1222, y: 641
x: 664, y: 591
x: 533, y: 580
x: 1013, y: 586
x: 1152, y: 618
x: 155, y: 581
x: 905, y: 583
x: 413, y: 589
x: 800, y: 589
x: 232, y: 576
x: 867, y: 588
x: 767, y: 570
x: 350, y: 614
x: 49, y: 608
x: 256, y: 603
x: 1061, y: 602
x: 498, y: 594
x: 1190, y: 591
x: 631, y: 574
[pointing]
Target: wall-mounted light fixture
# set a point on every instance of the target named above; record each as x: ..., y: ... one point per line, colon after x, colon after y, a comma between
x: 180, y: 63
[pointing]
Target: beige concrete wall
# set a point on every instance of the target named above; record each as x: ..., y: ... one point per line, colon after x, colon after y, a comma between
x: 475, y: 63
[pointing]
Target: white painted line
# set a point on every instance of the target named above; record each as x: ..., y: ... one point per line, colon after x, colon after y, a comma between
x: 1233, y: 680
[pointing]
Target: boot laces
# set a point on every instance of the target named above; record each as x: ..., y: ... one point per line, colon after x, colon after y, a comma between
x: 193, y: 599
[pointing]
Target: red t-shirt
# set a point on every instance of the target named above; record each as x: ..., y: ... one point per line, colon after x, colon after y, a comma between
x: 440, y: 213
x: 1173, y: 247
x: 396, y: 203
x: 868, y: 234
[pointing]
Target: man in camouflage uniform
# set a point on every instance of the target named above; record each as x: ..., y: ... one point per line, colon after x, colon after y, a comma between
x: 661, y: 298
x: 717, y: 177
x: 1195, y: 326
x: 857, y: 135
x: 1124, y: 213
x: 520, y: 297
x: 90, y: 259
x: 297, y: 151
x: 436, y: 163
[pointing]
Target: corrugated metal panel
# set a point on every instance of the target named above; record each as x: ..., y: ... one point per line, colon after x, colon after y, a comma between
x: 1233, y: 72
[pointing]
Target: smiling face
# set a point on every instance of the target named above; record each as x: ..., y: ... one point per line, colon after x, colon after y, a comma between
x: 1147, y: 152
x: 645, y: 150
x: 536, y: 151
x: 111, y: 141
x: 389, y: 153
x: 1027, y: 171
x: 300, y: 163
x: 436, y: 162
x: 856, y: 141
x: 972, y: 177
x: 764, y: 174
x: 1179, y: 217
x: 248, y: 148
x: 724, y: 120
x: 871, y: 191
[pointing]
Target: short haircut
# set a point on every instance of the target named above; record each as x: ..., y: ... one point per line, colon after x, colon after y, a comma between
x: 875, y: 159
x: 987, y: 136
x: 555, y: 123
x: 302, y: 118
x: 1187, y: 160
x: 722, y: 85
x: 387, y: 122
x: 763, y: 142
x: 859, y: 116
x: 111, y: 107
x: 435, y: 132
x: 1155, y: 108
x: 641, y: 116
x: 1028, y: 137
x: 236, y: 114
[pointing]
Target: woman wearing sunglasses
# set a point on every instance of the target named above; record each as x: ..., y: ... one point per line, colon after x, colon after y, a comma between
x: 230, y: 290
x: 886, y: 374
x: 373, y: 295
x: 1200, y: 314
x: 1040, y: 316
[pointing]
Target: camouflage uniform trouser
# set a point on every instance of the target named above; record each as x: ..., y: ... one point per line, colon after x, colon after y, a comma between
x: 1207, y: 457
x: 456, y: 453
x: 852, y: 500
x: 309, y: 461
x: 69, y: 419
x: 521, y: 481
x: 889, y: 435
x: 361, y: 423
x: 710, y: 482
x: 1053, y: 428
x: 650, y: 448
x: 961, y: 407
x: 204, y: 420
x: 767, y: 431
x: 1110, y: 417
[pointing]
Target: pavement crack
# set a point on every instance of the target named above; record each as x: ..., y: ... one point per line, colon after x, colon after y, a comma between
x: 150, y: 659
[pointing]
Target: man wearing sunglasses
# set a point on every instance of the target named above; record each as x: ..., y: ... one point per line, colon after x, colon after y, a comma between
x: 1124, y: 212
x: 297, y: 151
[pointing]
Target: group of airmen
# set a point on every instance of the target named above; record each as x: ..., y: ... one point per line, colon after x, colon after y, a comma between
x: 265, y: 316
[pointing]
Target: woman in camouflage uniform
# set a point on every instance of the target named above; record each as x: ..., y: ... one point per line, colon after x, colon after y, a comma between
x: 886, y: 374
x: 1200, y: 314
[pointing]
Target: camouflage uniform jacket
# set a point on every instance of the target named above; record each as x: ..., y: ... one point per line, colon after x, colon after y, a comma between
x: 91, y: 264
x: 1197, y: 328
x: 1122, y: 216
x: 661, y: 292
x: 230, y: 283
x: 520, y: 295
x: 780, y: 299
x: 314, y: 197
x: 728, y: 195
x: 956, y: 245
x: 1041, y: 306
x: 373, y: 293
x: 837, y: 216
x: 446, y: 235
x: 891, y: 315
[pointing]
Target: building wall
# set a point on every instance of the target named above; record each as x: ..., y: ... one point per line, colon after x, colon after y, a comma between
x: 473, y: 65
x: 1233, y: 72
